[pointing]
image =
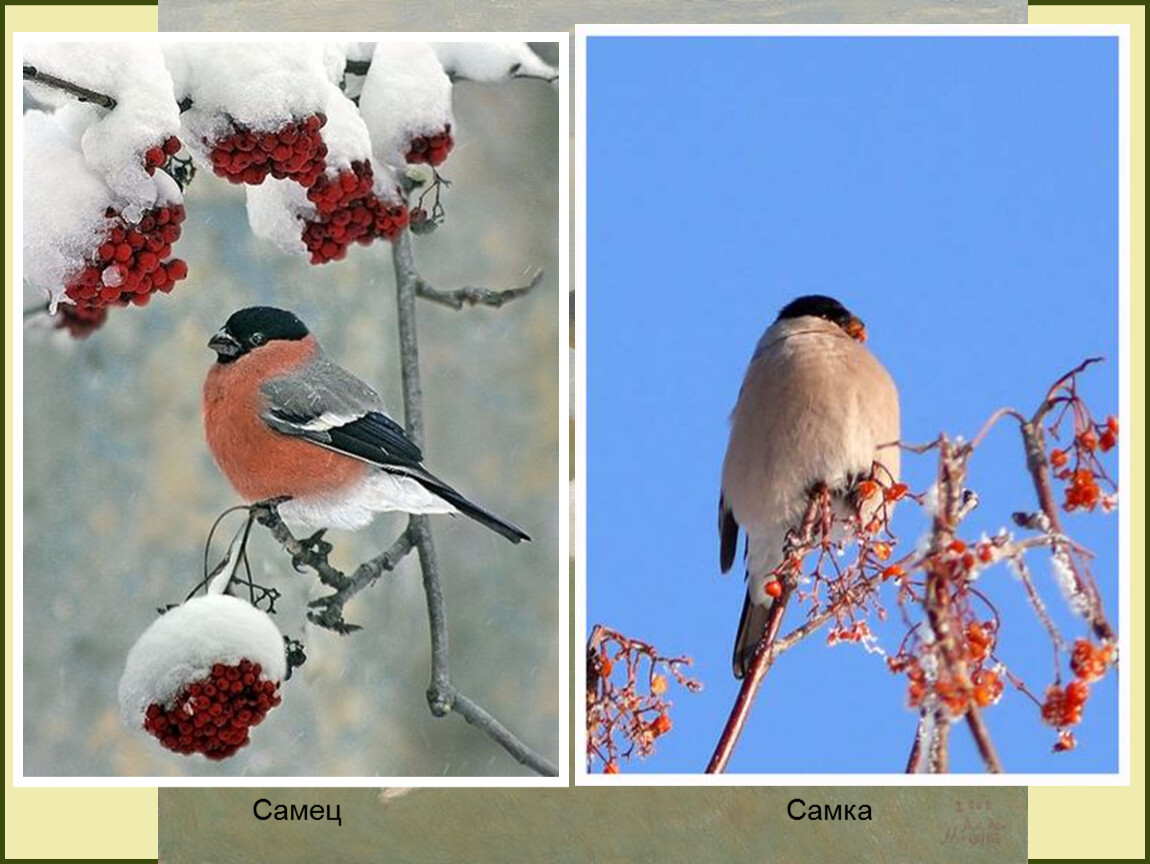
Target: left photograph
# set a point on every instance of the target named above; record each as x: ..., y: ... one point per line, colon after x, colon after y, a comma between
x: 289, y: 433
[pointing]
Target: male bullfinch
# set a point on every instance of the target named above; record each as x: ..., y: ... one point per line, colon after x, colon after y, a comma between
x: 283, y: 420
x: 815, y: 407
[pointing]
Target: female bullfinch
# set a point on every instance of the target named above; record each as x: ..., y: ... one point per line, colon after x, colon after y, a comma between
x: 815, y: 407
x: 283, y: 420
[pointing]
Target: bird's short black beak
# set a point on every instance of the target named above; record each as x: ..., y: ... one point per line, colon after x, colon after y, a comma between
x: 225, y: 344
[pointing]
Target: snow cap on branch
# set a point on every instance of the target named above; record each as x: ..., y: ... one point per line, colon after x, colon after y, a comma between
x: 275, y: 210
x: 64, y: 198
x: 406, y: 95
x: 491, y: 61
x: 345, y: 133
x: 146, y: 113
x: 261, y: 85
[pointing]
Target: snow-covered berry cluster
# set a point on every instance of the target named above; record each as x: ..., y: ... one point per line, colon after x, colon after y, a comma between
x: 213, y: 715
x: 132, y: 261
x: 104, y: 172
x: 203, y: 674
x: 295, y: 151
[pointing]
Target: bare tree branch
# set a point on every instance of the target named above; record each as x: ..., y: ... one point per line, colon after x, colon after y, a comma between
x: 31, y: 73
x: 327, y: 611
x: 473, y: 296
x: 442, y: 695
x: 764, y: 656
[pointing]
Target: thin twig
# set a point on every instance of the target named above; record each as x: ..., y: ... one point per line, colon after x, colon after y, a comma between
x: 1033, y: 442
x: 31, y: 73
x: 442, y: 696
x: 474, y: 296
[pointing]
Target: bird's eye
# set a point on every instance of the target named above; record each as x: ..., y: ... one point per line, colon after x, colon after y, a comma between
x: 258, y: 339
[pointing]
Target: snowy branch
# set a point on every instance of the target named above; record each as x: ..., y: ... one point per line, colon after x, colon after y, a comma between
x: 31, y: 73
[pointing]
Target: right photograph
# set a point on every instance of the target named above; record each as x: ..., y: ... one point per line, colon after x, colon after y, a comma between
x: 857, y: 372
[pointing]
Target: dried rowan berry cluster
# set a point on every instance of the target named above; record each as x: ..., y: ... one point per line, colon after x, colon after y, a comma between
x: 213, y: 716
x: 349, y: 212
x: 296, y: 151
x: 622, y: 719
x: 430, y: 149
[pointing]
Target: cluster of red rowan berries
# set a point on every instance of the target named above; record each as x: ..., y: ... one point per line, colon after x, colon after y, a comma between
x: 1063, y: 706
x: 131, y: 261
x: 347, y: 211
x: 430, y: 149
x: 294, y: 152
x: 1082, y: 490
x: 213, y: 716
x: 985, y: 687
x: 129, y: 265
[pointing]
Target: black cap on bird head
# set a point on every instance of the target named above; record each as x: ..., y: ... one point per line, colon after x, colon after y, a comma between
x: 827, y: 308
x: 250, y: 328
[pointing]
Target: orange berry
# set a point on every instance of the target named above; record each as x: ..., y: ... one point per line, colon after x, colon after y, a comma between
x: 658, y: 685
x: 1107, y: 441
x: 1065, y: 741
x: 968, y: 561
x: 605, y: 668
x: 1058, y: 458
x: 1052, y: 708
x: 985, y: 553
x: 661, y: 725
x: 881, y: 550
x: 774, y: 589
x: 896, y: 492
x: 1112, y: 425
x: 892, y: 572
x: 611, y: 767
x: 1088, y: 441
x: 957, y: 546
x: 1077, y: 692
x: 866, y: 489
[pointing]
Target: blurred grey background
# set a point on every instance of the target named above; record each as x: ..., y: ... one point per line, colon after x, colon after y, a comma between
x: 120, y: 489
x: 553, y: 15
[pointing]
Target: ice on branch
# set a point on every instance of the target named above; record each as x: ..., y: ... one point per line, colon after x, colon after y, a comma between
x: 492, y: 61
x: 146, y: 114
x: 406, y: 103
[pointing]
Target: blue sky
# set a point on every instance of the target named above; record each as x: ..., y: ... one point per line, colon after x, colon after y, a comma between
x: 960, y: 195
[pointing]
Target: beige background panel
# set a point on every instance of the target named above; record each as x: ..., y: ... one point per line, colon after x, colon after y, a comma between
x: 1115, y: 816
